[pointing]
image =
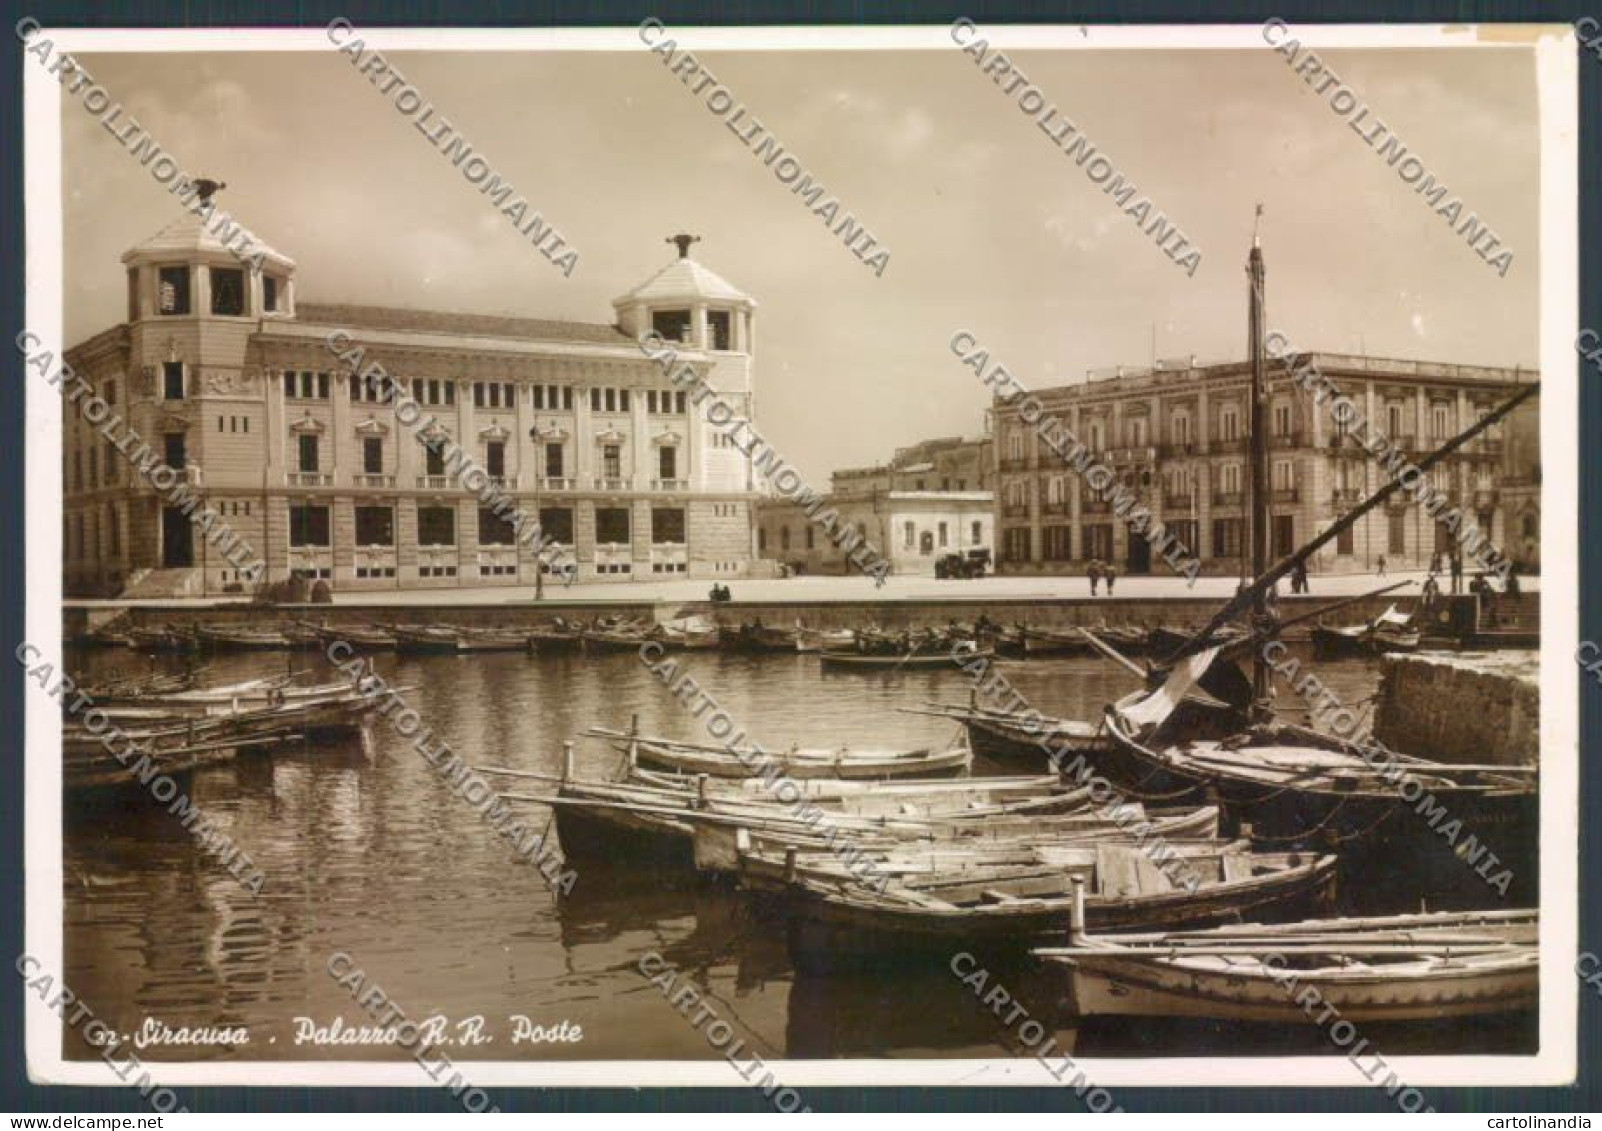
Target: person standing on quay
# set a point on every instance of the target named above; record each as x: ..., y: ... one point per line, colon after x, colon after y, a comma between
x: 1093, y: 571
x: 1381, y: 571
x: 1110, y: 572
x: 1457, y: 573
x: 1299, y: 578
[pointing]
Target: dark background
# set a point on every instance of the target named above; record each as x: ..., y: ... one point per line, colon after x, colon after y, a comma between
x: 18, y: 1094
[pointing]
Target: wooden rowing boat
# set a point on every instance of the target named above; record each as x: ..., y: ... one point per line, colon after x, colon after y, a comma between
x: 1018, y: 740
x: 931, y: 658
x: 836, y: 924
x: 241, y: 638
x: 365, y: 637
x: 1390, y: 969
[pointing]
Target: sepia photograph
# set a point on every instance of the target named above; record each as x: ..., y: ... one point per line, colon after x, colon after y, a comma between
x: 791, y: 557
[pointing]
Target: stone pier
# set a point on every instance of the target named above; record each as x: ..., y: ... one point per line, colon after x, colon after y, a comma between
x: 1482, y: 707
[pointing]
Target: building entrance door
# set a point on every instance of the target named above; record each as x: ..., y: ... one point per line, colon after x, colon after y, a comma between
x: 177, y: 539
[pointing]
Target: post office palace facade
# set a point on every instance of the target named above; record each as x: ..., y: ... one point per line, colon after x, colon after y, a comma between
x: 231, y: 378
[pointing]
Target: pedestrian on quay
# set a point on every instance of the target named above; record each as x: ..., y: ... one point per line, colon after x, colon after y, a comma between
x: 1299, y: 578
x: 1511, y: 586
x: 1110, y: 573
x: 1431, y: 592
x: 1457, y: 573
x: 1093, y: 571
x: 1381, y: 572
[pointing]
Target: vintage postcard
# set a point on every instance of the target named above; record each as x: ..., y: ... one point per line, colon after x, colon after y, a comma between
x: 796, y: 556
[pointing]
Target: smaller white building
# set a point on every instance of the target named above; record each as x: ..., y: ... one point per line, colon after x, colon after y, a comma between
x: 913, y: 528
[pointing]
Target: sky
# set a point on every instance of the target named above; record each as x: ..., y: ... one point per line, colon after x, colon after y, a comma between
x: 990, y: 227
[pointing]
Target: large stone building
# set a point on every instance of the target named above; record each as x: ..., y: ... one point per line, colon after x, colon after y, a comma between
x: 1176, y: 435
x: 931, y: 499
x: 229, y: 376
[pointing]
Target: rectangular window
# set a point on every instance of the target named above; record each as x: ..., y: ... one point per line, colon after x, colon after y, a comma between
x: 556, y: 524
x: 172, y: 380
x: 372, y: 455
x: 1226, y: 537
x: 308, y: 453
x: 433, y: 391
x: 1059, y: 543
x: 493, y: 530
x: 375, y: 526
x: 133, y: 294
x: 667, y: 525
x: 269, y: 293
x: 227, y: 291
x: 495, y: 459
x: 612, y: 525
x: 553, y: 461
x: 1282, y: 420
x: 673, y: 325
x: 110, y: 394
x: 717, y: 328
x: 1343, y: 541
x: 612, y: 461
x: 175, y: 450
x: 308, y: 526
x: 942, y: 537
x: 436, y: 526
x: 1396, y: 532
x: 172, y: 290
x: 434, y: 459
x: 678, y: 404
x: 111, y: 464
x: 94, y: 467
x: 978, y: 533
x: 1016, y: 545
x: 595, y: 400
x: 113, y: 532
x: 667, y: 462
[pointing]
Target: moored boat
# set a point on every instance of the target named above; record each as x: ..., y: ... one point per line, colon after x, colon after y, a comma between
x: 1387, y: 969
x: 240, y: 637
x: 835, y: 924
x: 934, y: 656
x: 426, y: 638
x: 795, y: 762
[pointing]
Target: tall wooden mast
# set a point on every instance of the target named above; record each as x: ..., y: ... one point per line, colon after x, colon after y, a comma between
x: 1259, y: 455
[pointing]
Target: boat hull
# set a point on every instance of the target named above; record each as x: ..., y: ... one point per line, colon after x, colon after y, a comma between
x: 1116, y: 986
x: 827, y: 935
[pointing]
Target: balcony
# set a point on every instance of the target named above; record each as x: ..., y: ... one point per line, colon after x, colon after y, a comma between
x: 610, y: 483
x: 1146, y: 454
x: 1288, y: 440
x: 1345, y: 496
x: 670, y: 484
x: 1183, y: 448
x: 189, y: 473
x: 1096, y: 506
x: 1285, y: 495
x: 504, y: 482
x: 434, y: 482
x: 1225, y: 447
x: 555, y: 483
x: 309, y: 478
x: 1227, y: 498
x: 1061, y: 507
x: 373, y: 480
x: 1015, y: 465
x: 1015, y: 510
x: 1178, y: 502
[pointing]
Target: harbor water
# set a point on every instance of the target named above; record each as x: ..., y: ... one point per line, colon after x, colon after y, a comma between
x: 366, y: 852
